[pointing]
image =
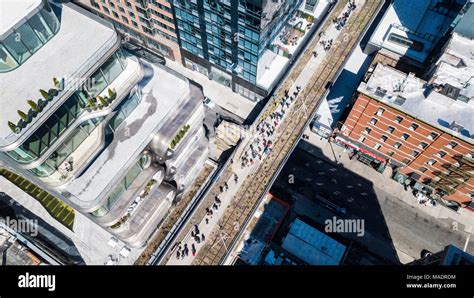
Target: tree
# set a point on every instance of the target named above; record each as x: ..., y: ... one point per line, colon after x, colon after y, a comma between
x: 103, y: 102
x: 12, y: 126
x: 112, y: 94
x: 23, y: 116
x: 33, y: 105
x: 56, y: 83
x: 45, y: 95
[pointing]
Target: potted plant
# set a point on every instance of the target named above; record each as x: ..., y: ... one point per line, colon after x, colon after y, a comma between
x: 33, y: 105
x: 91, y: 104
x: 103, y: 102
x: 45, y: 95
x: 13, y: 127
x: 112, y: 94
x: 41, y: 104
x: 53, y: 92
x: 23, y: 116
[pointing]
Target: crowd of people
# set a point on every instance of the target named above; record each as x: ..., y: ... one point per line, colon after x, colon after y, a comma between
x: 262, y: 143
x: 341, y: 21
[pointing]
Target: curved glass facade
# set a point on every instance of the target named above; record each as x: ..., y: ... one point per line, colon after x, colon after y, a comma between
x: 45, y: 136
x: 121, y: 187
x: 24, y: 41
x: 73, y: 141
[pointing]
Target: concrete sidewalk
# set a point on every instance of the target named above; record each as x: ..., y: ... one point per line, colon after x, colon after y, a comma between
x: 338, y: 154
x: 221, y: 95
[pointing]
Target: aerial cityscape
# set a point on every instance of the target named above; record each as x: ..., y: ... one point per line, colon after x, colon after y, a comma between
x: 237, y: 132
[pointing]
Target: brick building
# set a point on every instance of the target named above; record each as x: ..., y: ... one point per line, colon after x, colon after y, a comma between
x: 426, y: 137
x: 147, y: 22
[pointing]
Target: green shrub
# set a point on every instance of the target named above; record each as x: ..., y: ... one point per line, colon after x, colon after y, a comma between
x: 102, y: 101
x: 45, y: 95
x: 56, y: 83
x: 12, y: 126
x: 33, y: 105
x: 23, y: 116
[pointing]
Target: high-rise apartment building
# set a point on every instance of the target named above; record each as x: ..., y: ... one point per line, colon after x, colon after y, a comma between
x: 115, y: 137
x: 228, y: 40
x: 146, y: 22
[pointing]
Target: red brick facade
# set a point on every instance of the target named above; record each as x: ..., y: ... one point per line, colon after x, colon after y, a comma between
x: 422, y: 148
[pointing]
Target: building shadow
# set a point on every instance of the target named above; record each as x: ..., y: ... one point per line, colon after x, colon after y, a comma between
x: 317, y: 191
x: 48, y: 238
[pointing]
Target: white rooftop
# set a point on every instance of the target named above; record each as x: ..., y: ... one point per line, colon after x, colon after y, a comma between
x: 432, y: 107
x: 456, y: 65
x: 163, y: 93
x: 313, y: 246
x: 13, y: 11
x: 80, y: 43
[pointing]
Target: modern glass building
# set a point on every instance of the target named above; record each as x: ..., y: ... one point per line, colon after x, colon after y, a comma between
x: 90, y: 123
x: 226, y: 40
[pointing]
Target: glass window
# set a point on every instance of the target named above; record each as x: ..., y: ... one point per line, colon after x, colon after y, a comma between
x: 76, y: 139
x: 44, y: 170
x: 21, y: 155
x: 111, y: 69
x: 98, y: 83
x: 16, y: 47
x: 29, y: 38
x: 6, y: 60
x: 39, y: 26
x: 117, y: 120
x: 50, y: 18
x: 131, y: 175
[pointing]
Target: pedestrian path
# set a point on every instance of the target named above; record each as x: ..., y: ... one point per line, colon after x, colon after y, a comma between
x: 253, y: 150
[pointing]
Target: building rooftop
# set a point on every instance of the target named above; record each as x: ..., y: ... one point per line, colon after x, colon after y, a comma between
x: 417, y: 21
x: 80, y: 43
x: 162, y: 94
x: 313, y: 246
x: 13, y: 11
x: 413, y: 96
x: 465, y: 27
x: 456, y: 66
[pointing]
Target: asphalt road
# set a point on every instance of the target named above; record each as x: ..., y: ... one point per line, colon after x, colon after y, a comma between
x: 386, y: 217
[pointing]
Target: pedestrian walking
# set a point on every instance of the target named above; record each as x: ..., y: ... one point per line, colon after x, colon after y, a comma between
x: 221, y: 188
x: 207, y: 220
x: 178, y: 254
x: 226, y: 186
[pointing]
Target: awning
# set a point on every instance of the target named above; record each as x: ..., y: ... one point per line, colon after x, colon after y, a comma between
x: 372, y: 155
x: 342, y: 141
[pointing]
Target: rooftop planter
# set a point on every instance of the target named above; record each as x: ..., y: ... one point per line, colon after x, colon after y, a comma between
x: 179, y: 137
x: 100, y: 102
x: 36, y: 107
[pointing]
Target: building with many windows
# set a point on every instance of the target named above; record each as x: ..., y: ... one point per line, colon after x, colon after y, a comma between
x: 426, y: 137
x: 147, y: 22
x: 423, y: 129
x: 228, y: 40
x: 115, y: 137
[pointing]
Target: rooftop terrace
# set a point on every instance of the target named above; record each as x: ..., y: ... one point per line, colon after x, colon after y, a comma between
x: 81, y: 42
x: 162, y: 93
x: 412, y: 96
x: 13, y: 11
